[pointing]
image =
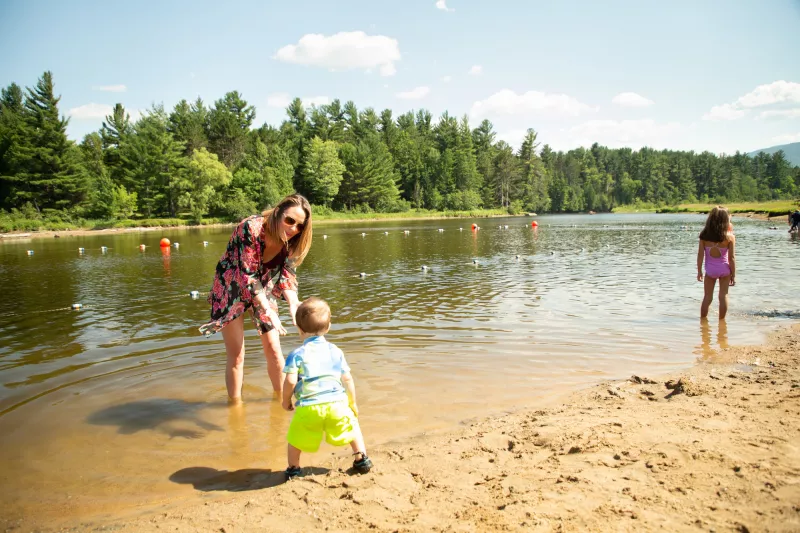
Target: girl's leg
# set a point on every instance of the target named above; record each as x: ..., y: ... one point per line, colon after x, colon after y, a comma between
x: 293, y: 455
x: 723, y: 296
x: 233, y: 335
x: 708, y: 295
x: 271, y: 342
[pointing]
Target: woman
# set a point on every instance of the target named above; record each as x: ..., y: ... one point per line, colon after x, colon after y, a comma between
x: 257, y: 268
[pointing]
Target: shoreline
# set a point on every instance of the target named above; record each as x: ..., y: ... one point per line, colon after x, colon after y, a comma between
x: 141, y: 229
x: 715, y: 453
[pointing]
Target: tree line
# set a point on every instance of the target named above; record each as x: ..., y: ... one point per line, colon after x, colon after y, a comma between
x: 210, y: 160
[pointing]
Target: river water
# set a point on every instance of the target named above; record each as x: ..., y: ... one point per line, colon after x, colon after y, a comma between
x: 103, y: 410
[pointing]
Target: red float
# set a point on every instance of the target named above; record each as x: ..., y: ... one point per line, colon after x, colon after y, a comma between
x: 534, y: 224
x: 164, y: 243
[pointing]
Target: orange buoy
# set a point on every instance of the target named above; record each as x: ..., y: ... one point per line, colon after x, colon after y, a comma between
x: 474, y: 227
x: 534, y: 224
x: 164, y: 243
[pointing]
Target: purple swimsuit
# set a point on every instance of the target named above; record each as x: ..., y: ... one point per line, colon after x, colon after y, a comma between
x: 717, y: 267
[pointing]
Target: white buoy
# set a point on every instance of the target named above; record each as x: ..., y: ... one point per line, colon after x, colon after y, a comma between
x: 362, y: 275
x: 386, y: 233
x: 142, y: 247
x: 195, y: 295
x: 505, y: 226
x: 424, y: 267
x: 30, y: 252
x: 81, y: 250
x: 205, y: 243
x: 324, y: 236
x: 76, y: 307
x: 474, y: 261
x: 516, y: 257
x: 363, y: 234
x: 552, y: 253
x: 406, y: 232
x: 104, y: 249
x: 176, y: 244
x: 460, y: 229
x: 440, y: 230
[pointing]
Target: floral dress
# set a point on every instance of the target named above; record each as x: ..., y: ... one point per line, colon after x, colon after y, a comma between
x: 241, y: 275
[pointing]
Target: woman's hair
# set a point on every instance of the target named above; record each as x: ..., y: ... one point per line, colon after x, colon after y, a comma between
x: 300, y: 243
x: 313, y: 316
x: 716, y: 228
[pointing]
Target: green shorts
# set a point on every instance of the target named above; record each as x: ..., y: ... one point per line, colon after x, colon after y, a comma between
x: 336, y: 419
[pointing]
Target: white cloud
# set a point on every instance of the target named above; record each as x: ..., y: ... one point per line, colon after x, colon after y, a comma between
x: 316, y: 100
x: 414, y: 94
x: 780, y: 113
x: 724, y: 112
x: 770, y: 94
x: 344, y: 51
x: 513, y: 137
x: 95, y: 111
x: 786, y: 139
x: 447, y: 79
x: 91, y: 111
x: 110, y: 88
x: 777, y: 92
x: 631, y: 100
x: 618, y: 133
x: 282, y: 100
x: 476, y: 70
x: 507, y: 102
x: 442, y: 4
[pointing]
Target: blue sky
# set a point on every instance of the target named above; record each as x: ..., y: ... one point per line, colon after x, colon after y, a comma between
x: 701, y: 75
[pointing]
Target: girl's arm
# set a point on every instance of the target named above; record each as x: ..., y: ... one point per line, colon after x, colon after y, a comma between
x: 732, y: 259
x: 700, y: 261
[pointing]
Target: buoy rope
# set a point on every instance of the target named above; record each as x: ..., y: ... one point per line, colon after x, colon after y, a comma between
x: 95, y: 306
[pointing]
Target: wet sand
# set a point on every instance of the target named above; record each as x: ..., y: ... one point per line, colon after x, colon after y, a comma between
x: 718, y: 451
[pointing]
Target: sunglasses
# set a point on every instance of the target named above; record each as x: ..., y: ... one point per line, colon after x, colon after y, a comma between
x: 290, y: 221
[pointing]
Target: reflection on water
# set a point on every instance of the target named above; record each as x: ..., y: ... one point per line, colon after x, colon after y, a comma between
x: 707, y: 349
x: 122, y: 404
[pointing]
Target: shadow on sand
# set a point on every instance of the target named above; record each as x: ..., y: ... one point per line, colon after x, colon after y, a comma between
x: 210, y: 479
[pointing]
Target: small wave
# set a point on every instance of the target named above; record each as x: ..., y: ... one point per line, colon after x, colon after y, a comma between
x: 775, y: 313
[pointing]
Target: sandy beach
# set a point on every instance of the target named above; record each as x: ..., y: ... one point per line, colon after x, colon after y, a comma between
x: 712, y: 448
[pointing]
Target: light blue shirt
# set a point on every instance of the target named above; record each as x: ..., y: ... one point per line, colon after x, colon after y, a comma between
x: 319, y: 366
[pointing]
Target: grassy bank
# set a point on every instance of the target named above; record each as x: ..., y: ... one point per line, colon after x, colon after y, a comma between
x: 771, y: 209
x: 14, y: 223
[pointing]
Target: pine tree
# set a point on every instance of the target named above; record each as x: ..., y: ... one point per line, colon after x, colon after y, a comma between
x: 11, y: 128
x: 152, y: 161
x: 229, y: 122
x: 46, y: 164
x: 114, y: 132
x: 188, y: 123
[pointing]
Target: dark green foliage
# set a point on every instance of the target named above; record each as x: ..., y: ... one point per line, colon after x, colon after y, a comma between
x: 197, y: 161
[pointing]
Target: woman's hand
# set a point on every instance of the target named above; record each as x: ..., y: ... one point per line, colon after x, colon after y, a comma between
x: 732, y: 282
x: 699, y: 276
x: 276, y: 322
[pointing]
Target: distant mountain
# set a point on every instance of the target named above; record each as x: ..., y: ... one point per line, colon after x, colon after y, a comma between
x: 792, y: 152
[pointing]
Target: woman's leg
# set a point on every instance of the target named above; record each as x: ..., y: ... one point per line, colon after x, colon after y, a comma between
x: 708, y: 295
x: 723, y: 296
x: 233, y: 335
x: 271, y: 342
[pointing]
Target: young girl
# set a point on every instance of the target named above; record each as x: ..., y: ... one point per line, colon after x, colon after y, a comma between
x: 717, y: 248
